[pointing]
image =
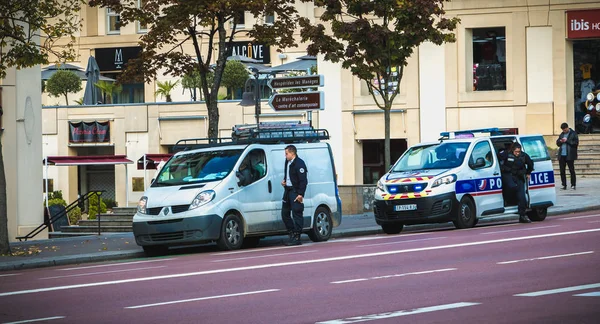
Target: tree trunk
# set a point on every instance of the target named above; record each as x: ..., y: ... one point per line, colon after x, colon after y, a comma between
x: 66, y: 99
x: 213, y: 116
x: 4, y: 245
x: 387, y: 146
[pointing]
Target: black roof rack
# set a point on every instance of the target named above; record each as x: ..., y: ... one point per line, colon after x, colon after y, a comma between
x: 264, y: 133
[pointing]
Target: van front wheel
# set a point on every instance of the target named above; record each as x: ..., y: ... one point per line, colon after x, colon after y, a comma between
x: 232, y: 233
x: 155, y: 250
x: 538, y: 214
x: 322, y: 225
x: 466, y: 215
x: 392, y: 228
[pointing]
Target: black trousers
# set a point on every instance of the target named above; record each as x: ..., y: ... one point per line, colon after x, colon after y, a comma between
x: 562, y: 162
x: 295, y: 223
x: 517, y: 185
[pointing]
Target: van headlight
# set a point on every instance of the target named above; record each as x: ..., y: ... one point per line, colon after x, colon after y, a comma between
x: 202, y: 198
x: 141, y: 207
x: 444, y: 180
x: 380, y: 186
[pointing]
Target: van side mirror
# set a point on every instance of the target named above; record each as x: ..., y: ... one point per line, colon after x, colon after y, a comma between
x: 479, y: 163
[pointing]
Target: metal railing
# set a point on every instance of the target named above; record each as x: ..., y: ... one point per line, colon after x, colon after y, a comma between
x: 52, y: 219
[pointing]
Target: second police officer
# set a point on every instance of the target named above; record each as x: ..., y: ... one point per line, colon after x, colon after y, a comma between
x: 516, y: 169
x: 294, y: 184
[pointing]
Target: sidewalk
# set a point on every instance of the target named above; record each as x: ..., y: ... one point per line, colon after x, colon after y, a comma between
x: 118, y: 246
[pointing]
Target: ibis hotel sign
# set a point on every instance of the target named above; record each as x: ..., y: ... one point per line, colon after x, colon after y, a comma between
x: 583, y: 24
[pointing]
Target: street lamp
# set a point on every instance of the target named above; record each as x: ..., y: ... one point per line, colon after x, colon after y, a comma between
x: 249, y: 98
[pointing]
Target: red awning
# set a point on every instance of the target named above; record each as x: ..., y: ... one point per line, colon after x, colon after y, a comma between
x: 88, y: 160
x: 152, y: 161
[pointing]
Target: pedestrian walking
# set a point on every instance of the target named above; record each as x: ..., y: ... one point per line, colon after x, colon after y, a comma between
x: 294, y: 182
x: 567, y: 143
x: 516, y: 169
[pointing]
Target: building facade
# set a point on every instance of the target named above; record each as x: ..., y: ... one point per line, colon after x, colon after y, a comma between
x: 515, y: 63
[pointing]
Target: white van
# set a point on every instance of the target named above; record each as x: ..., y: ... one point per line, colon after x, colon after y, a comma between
x: 198, y: 197
x: 458, y: 179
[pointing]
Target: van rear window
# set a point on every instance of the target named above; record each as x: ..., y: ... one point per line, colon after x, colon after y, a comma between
x: 535, y: 146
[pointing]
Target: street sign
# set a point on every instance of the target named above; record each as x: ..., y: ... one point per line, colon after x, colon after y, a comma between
x: 306, y: 81
x: 310, y: 100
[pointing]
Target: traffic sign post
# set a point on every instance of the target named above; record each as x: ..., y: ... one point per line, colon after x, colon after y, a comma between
x: 307, y: 81
x: 310, y: 100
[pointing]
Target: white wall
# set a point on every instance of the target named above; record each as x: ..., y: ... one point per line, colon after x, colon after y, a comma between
x: 540, y: 87
x: 432, y: 91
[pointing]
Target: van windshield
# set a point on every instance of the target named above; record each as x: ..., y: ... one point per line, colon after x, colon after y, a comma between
x: 197, y: 167
x: 436, y: 156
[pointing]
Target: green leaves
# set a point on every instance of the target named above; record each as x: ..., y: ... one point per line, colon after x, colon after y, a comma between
x: 165, y: 88
x: 62, y: 83
x: 29, y: 30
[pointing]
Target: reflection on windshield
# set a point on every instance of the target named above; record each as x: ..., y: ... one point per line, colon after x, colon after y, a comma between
x: 197, y: 167
x: 437, y: 156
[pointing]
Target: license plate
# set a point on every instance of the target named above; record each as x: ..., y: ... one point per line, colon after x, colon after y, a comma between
x: 405, y: 207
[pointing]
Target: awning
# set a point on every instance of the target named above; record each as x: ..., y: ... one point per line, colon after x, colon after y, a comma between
x: 302, y: 64
x: 152, y: 161
x: 87, y: 160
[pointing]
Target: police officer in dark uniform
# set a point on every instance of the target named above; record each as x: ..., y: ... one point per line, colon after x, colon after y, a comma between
x: 295, y: 182
x: 516, y: 169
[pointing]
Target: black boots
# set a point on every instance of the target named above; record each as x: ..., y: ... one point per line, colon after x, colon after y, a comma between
x: 524, y: 219
x: 294, y: 239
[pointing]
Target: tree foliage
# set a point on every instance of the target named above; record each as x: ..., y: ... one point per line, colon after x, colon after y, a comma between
x: 108, y: 89
x: 165, y: 88
x: 374, y: 40
x: 235, y: 75
x: 29, y: 30
x: 62, y: 83
x: 193, y: 81
x: 209, y: 27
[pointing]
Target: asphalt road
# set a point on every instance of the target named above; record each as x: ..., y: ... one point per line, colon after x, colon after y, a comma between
x: 547, y: 272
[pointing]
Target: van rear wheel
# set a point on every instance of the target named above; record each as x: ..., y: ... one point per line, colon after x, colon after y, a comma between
x: 322, y: 225
x: 392, y: 228
x: 538, y: 214
x: 466, y: 215
x: 232, y: 233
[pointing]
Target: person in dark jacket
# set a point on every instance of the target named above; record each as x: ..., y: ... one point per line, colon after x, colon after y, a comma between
x: 516, y: 169
x: 294, y: 182
x: 567, y: 143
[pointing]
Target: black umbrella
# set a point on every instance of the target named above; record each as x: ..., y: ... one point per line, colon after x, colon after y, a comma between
x: 92, y: 93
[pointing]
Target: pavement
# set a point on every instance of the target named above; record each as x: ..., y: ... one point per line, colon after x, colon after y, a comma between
x: 120, y: 246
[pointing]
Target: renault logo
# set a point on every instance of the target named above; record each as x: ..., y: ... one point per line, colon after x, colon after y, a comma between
x: 165, y: 211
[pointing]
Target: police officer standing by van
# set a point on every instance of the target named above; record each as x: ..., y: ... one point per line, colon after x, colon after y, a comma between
x: 516, y: 169
x: 294, y: 182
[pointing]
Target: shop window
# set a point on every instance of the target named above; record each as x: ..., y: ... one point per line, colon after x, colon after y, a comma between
x: 141, y: 28
x: 270, y: 19
x: 137, y: 184
x: 112, y: 22
x: 586, y: 81
x: 373, y: 157
x: 240, y: 19
x: 489, y: 58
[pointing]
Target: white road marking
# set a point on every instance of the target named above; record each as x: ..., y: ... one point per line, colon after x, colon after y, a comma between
x: 369, y: 238
x: 520, y: 229
x: 577, y: 217
x: 264, y: 256
x: 546, y: 257
x: 203, y: 298
x: 393, y: 276
x: 291, y: 263
x: 37, y: 320
x: 591, y: 294
x: 373, y: 317
x: 101, y: 272
x: 116, y: 264
x: 10, y: 274
x: 559, y: 290
x: 261, y: 250
x: 399, y: 242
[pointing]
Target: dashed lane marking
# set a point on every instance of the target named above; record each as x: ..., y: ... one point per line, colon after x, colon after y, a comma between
x: 547, y: 257
x: 591, y: 294
x: 559, y: 290
x: 393, y: 276
x: 400, y: 242
x: 37, y: 320
x: 101, y: 272
x: 291, y: 263
x: 203, y: 298
x: 393, y: 314
x: 10, y: 274
x: 520, y: 229
x: 264, y: 256
x: 116, y: 264
x: 578, y: 217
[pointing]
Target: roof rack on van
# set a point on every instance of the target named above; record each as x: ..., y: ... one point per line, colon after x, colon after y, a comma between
x: 264, y: 133
x: 468, y: 133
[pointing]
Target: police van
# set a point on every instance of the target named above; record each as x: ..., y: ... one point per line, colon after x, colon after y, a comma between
x: 458, y: 179
x: 199, y: 196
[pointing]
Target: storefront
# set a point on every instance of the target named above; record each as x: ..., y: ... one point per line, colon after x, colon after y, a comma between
x: 583, y: 31
x: 112, y: 61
